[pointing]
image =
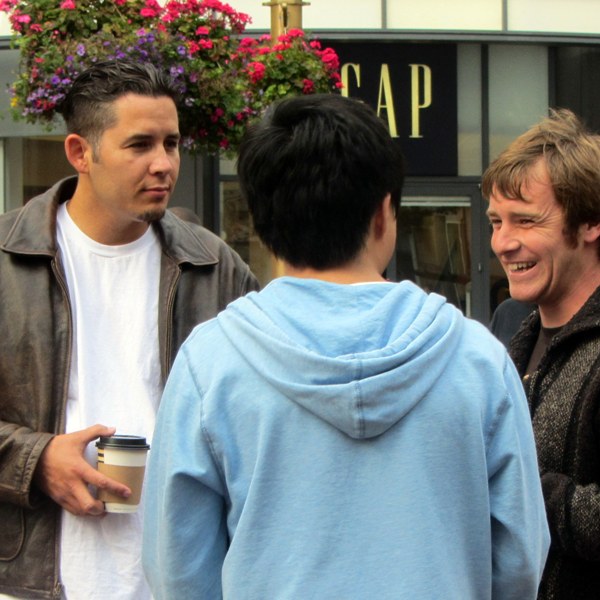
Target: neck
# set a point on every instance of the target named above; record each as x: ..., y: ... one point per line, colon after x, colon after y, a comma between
x: 343, y: 275
x: 102, y: 227
x: 560, y: 313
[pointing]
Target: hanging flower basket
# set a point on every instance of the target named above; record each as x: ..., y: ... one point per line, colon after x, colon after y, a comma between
x: 225, y: 79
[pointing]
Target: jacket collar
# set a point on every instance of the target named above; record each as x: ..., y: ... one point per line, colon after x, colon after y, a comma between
x: 34, y: 229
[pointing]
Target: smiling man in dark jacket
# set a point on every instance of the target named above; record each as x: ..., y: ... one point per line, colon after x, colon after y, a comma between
x: 544, y: 207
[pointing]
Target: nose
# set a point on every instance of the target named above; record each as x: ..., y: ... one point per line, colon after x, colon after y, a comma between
x: 162, y: 162
x: 504, y: 239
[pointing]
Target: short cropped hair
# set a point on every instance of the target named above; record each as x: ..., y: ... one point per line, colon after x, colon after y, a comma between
x: 88, y: 106
x: 314, y: 170
x: 572, y: 156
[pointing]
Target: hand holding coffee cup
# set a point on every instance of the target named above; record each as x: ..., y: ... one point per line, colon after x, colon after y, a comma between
x: 122, y: 458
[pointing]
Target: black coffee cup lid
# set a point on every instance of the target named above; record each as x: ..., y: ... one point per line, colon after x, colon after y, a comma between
x: 131, y: 442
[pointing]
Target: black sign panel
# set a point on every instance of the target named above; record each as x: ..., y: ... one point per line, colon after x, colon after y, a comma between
x: 413, y: 88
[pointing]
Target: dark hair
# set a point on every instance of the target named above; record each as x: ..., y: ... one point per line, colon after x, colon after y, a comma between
x: 313, y: 172
x: 572, y: 157
x: 87, y: 108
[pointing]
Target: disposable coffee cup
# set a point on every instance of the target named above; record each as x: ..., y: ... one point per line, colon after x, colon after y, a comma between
x: 122, y: 458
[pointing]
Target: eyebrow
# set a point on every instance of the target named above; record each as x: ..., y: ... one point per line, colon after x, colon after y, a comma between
x: 142, y: 137
x: 517, y: 214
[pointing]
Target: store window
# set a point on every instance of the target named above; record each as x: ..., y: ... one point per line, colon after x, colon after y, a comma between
x: 434, y: 247
x: 31, y: 166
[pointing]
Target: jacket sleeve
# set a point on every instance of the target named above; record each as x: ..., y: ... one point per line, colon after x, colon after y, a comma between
x: 185, y: 532
x: 574, y: 516
x: 520, y: 535
x: 20, y: 450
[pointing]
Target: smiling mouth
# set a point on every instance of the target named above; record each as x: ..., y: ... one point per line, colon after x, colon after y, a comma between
x: 520, y: 267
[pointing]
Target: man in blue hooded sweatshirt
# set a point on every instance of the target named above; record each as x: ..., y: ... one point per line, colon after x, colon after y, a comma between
x: 338, y: 435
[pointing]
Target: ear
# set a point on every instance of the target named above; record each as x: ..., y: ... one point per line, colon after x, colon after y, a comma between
x: 590, y: 232
x: 79, y: 152
x: 383, y: 217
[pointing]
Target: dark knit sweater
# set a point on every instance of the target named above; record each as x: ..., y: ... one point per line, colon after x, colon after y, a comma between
x: 564, y: 399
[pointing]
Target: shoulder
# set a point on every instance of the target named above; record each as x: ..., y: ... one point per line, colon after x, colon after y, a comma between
x: 188, y: 240
x: 508, y: 318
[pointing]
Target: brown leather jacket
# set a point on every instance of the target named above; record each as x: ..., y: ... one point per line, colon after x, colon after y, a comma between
x: 200, y: 275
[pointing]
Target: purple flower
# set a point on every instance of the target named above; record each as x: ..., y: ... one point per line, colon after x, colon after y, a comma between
x: 80, y: 50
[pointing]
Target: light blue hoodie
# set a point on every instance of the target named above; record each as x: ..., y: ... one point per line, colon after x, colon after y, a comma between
x: 324, y: 441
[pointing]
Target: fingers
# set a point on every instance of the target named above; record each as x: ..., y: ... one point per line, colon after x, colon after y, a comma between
x: 64, y: 474
x: 103, y: 482
x: 94, y: 432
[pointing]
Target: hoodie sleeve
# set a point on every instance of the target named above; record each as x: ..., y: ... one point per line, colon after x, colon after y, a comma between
x: 520, y: 536
x: 185, y: 533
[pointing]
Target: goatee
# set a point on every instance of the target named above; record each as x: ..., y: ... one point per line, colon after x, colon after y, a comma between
x: 152, y: 215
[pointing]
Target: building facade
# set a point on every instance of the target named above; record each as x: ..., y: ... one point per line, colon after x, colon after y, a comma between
x: 455, y: 81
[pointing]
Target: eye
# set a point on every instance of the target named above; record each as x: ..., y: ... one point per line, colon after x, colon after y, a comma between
x: 495, y: 223
x: 141, y: 145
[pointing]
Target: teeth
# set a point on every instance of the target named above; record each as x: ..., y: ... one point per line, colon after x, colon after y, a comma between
x: 522, y: 266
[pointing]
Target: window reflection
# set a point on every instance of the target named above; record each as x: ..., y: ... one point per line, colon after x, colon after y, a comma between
x: 433, y: 248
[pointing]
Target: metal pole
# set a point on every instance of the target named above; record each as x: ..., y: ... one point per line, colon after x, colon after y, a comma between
x: 285, y: 15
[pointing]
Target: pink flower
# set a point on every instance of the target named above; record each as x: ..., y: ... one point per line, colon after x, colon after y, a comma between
x: 330, y: 58
x: 68, y: 5
x: 206, y: 44
x: 152, y: 9
x: 202, y: 30
x: 7, y: 5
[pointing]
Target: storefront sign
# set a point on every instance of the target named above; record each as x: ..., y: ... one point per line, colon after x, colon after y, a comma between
x: 413, y: 89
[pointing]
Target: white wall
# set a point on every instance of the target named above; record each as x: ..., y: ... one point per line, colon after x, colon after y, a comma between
x: 565, y: 16
x: 4, y: 24
x: 550, y: 16
x: 441, y: 14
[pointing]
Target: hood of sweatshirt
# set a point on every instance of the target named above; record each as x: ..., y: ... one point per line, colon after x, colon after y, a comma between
x: 359, y: 357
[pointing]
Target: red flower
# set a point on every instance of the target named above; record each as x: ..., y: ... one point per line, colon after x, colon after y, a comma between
x: 308, y: 86
x: 256, y: 71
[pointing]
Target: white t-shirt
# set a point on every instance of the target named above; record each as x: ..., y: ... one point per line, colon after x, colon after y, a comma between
x: 114, y: 381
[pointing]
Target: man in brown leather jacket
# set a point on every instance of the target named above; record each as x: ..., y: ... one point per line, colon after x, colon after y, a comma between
x: 544, y: 207
x: 123, y: 142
